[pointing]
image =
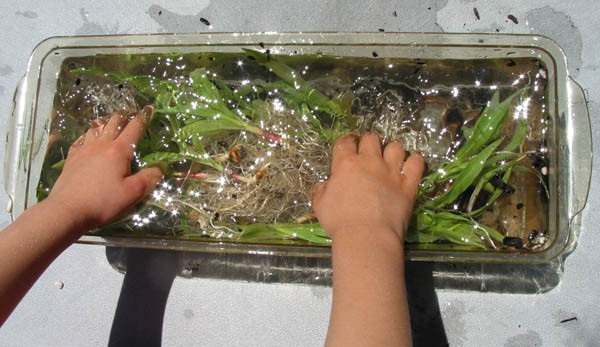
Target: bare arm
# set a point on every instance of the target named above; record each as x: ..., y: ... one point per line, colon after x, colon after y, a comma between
x: 95, y: 187
x: 365, y: 207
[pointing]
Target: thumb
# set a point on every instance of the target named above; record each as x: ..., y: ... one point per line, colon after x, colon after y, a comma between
x: 145, y: 180
x: 316, y: 192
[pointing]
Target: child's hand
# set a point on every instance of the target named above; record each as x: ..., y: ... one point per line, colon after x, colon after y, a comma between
x: 368, y: 189
x: 96, y: 185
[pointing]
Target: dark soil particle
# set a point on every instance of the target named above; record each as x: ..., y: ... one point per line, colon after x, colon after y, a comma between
x: 513, y: 242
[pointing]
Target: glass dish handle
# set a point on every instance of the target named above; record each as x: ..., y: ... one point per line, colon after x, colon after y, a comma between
x: 580, y: 139
x: 14, y: 144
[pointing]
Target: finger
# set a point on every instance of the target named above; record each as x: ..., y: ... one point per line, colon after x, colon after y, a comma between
x: 413, y: 170
x: 93, y: 132
x: 394, y: 155
x: 317, y: 194
x: 316, y: 190
x: 142, y: 183
x: 132, y: 132
x: 76, y: 146
x: 343, y: 148
x: 98, y: 122
x: 370, y: 144
x: 113, y: 127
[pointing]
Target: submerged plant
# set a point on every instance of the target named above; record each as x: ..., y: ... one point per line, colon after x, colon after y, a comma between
x: 241, y: 159
x: 479, y: 164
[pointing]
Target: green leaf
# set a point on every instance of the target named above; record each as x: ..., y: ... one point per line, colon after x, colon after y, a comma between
x: 444, y: 226
x: 466, y: 177
x: 497, y: 192
x: 147, y: 85
x: 200, y: 82
x: 171, y: 158
x: 518, y: 136
x: 261, y: 232
x: 162, y: 101
x: 199, y: 110
x: 488, y: 126
x: 59, y: 165
x: 228, y: 94
x: 313, y: 97
x: 432, y: 226
x: 213, y: 126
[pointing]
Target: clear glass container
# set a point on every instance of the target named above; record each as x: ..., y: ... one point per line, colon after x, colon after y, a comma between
x: 568, y: 142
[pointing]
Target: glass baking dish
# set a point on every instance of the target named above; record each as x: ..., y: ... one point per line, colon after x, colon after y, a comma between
x: 568, y: 141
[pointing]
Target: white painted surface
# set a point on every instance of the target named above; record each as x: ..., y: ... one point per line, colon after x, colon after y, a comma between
x: 223, y: 313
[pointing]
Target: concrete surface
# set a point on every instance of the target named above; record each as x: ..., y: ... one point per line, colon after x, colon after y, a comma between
x: 74, y: 302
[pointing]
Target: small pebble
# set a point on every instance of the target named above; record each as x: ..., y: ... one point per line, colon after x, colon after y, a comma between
x: 59, y: 284
x: 515, y: 242
x: 532, y: 235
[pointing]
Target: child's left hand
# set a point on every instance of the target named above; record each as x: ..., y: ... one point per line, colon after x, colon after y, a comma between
x: 96, y: 185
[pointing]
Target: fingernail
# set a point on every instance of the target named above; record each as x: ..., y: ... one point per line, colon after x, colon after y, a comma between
x: 158, y: 177
x: 161, y: 166
x: 96, y: 123
x: 147, y: 112
x: 355, y: 135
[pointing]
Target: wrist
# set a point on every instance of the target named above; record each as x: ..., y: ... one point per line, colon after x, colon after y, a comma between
x: 368, y: 238
x: 371, y: 231
x: 66, y: 216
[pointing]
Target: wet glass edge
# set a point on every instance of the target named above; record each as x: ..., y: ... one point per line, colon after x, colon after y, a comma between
x: 41, y: 72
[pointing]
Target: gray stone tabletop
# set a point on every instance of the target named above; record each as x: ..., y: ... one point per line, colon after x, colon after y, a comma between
x: 75, y: 302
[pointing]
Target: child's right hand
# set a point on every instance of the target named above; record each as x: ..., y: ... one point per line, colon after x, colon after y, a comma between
x: 368, y: 189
